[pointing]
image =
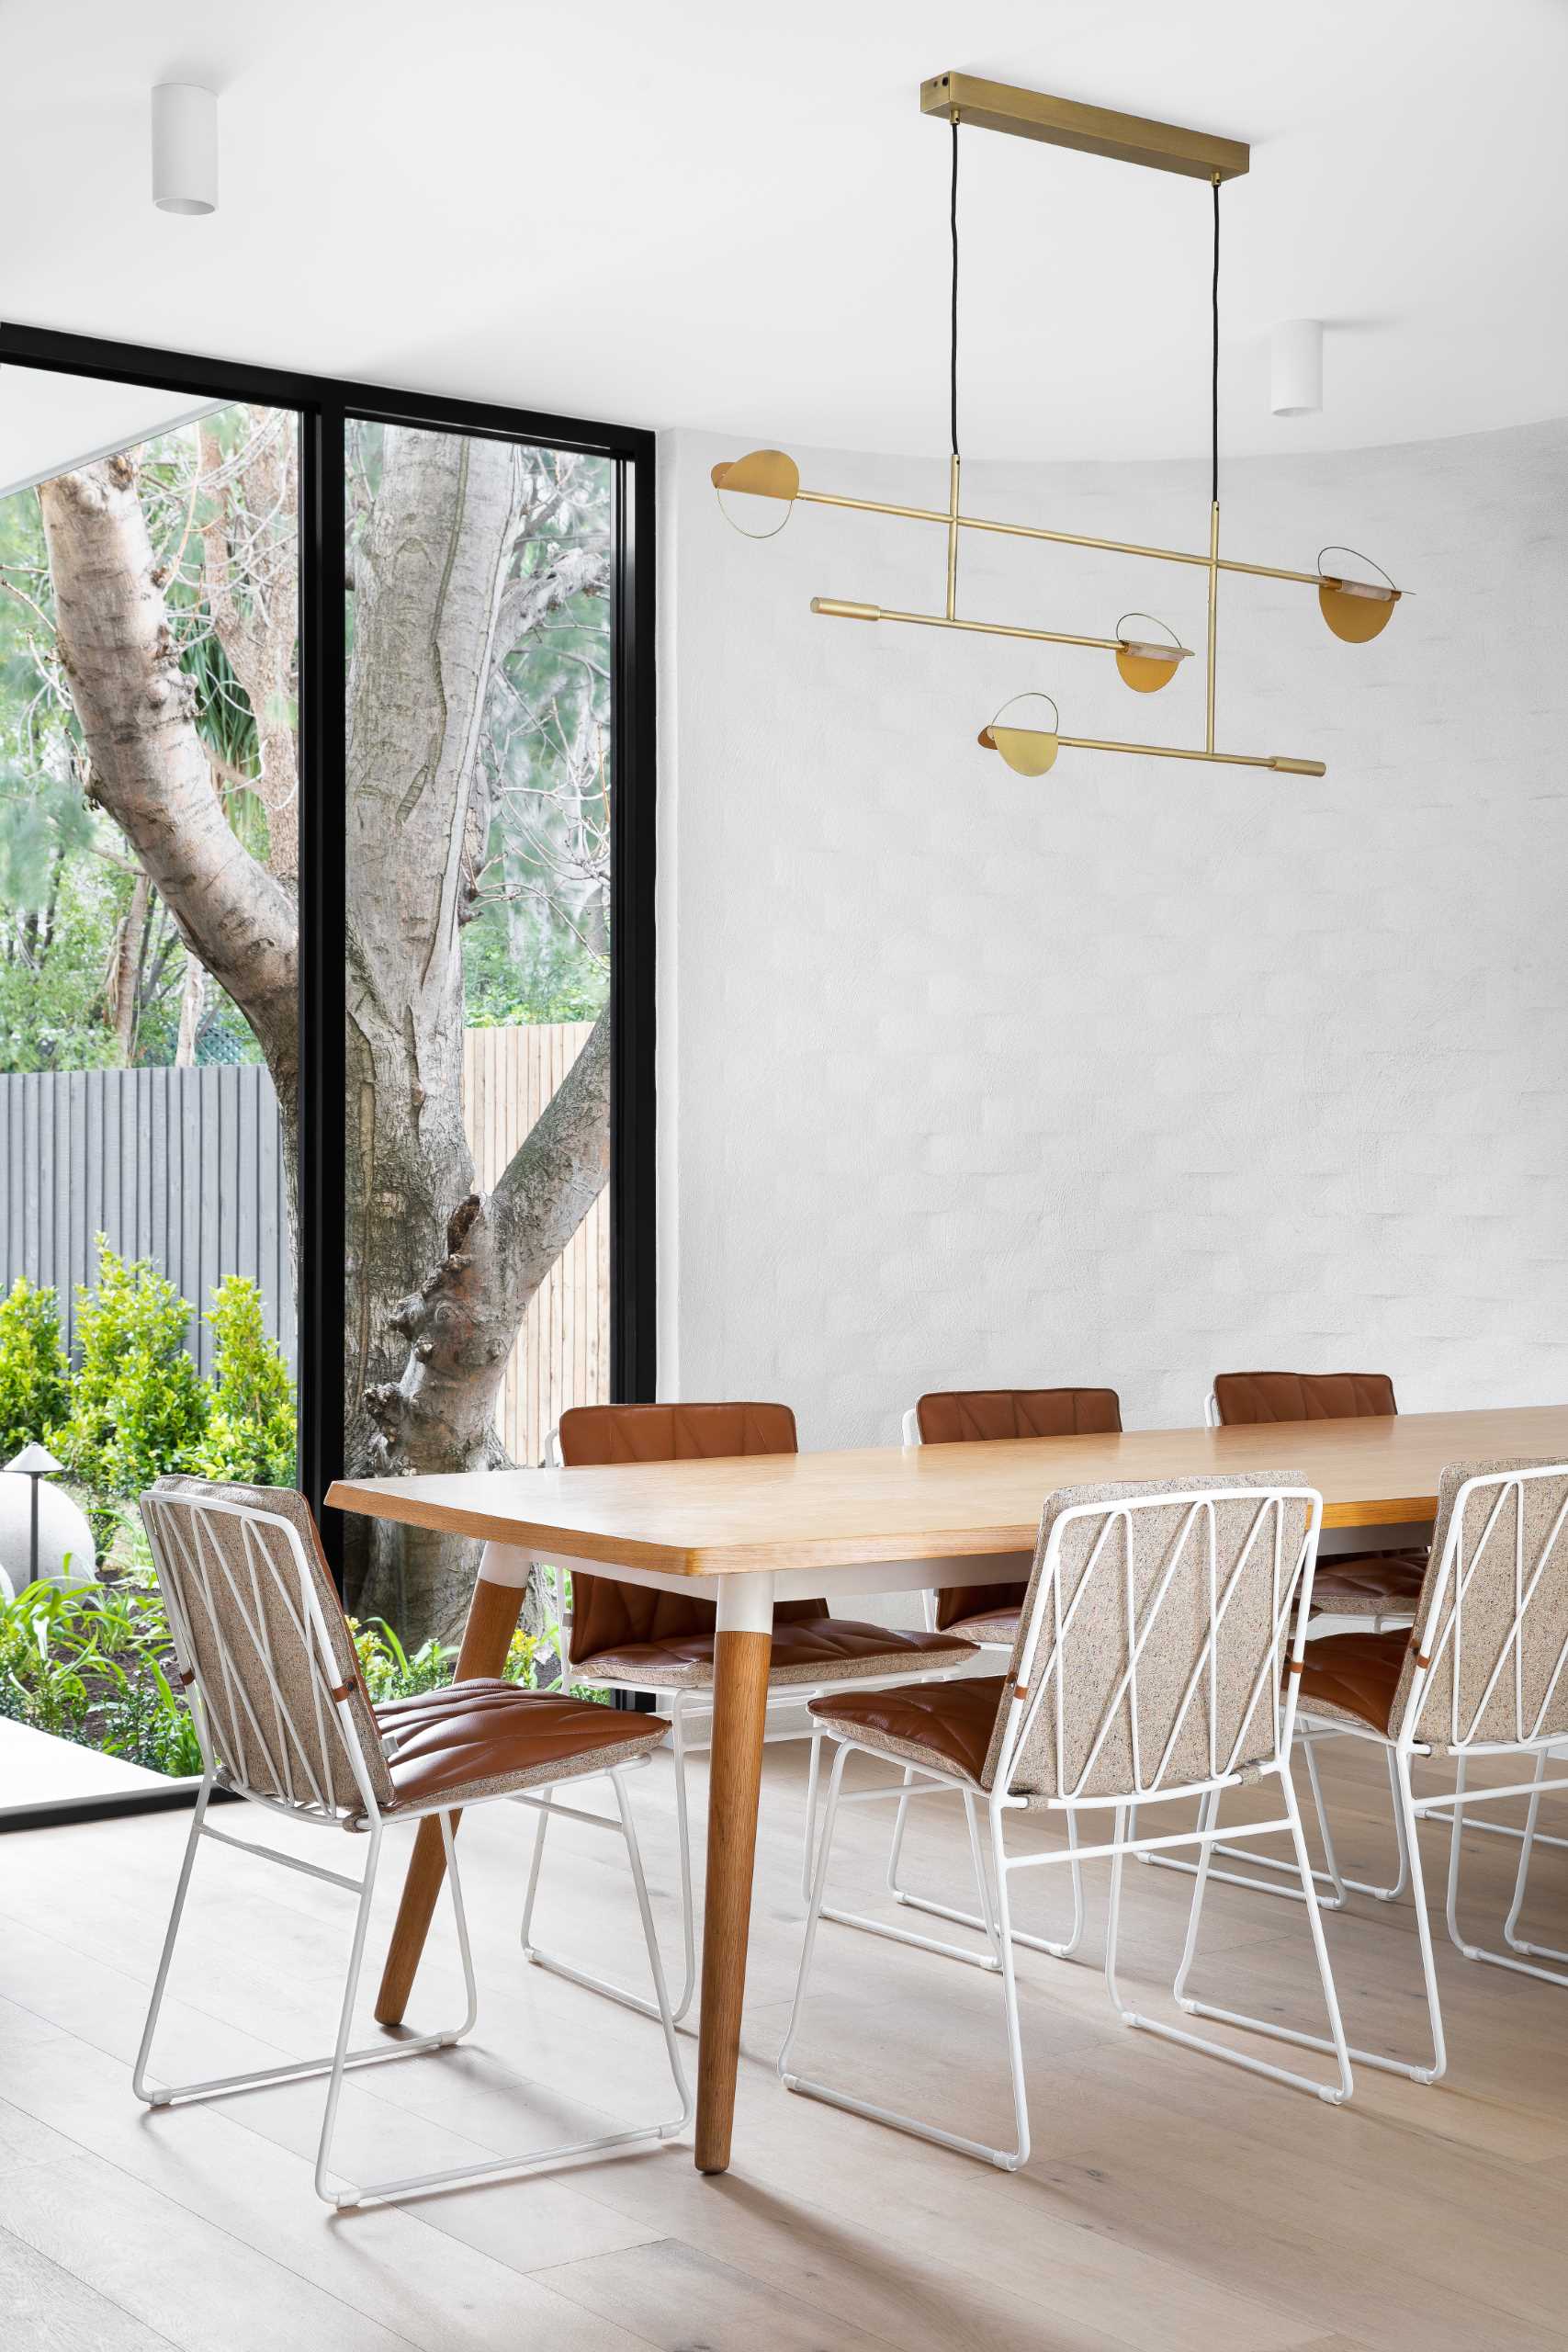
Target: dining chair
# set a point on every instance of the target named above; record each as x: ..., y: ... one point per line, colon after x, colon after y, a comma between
x: 1379, y: 1586
x: 1156, y: 1662
x: 1483, y: 1675
x: 267, y: 1663
x: 624, y: 1637
x: 988, y: 1615
x: 1374, y: 1591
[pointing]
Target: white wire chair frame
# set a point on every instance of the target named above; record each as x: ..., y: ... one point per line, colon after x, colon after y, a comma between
x: 1334, y: 1887
x: 1438, y: 1657
x: 1057, y: 1947
x: 284, y: 1723
x: 1040, y: 1672
x: 690, y: 1716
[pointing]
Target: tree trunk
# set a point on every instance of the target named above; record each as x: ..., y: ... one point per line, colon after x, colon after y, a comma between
x: 437, y: 1279
x: 147, y: 764
x: 193, y: 994
x: 431, y: 571
x: 123, y: 969
x: 460, y: 1325
x: 258, y: 633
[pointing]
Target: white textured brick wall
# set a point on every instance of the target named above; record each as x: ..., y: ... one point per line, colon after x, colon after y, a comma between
x: 1146, y: 1070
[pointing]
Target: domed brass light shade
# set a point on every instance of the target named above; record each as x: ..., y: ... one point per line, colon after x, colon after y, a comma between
x: 1356, y: 610
x: 1027, y: 750
x: 1146, y: 667
x: 762, y: 473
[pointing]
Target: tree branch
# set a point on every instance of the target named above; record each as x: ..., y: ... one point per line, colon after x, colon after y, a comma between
x: 149, y: 768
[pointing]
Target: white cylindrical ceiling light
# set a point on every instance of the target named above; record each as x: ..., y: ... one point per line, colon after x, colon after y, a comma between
x: 184, y: 147
x: 1296, y: 370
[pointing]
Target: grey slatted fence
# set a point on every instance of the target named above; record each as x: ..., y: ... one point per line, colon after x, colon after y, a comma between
x: 181, y: 1166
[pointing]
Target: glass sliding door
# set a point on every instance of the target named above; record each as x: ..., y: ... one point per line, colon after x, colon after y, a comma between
x: 149, y: 865
x: 482, y: 576
x: 326, y: 988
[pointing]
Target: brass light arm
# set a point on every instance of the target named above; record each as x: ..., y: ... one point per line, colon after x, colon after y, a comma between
x: 1277, y: 761
x: 1057, y: 539
x: 840, y: 608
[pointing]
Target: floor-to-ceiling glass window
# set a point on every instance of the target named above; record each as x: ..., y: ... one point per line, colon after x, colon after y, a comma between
x: 326, y: 822
x: 148, y: 863
x: 480, y: 591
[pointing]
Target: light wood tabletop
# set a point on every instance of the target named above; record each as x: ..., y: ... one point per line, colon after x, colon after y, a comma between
x: 844, y: 1509
x: 769, y: 1526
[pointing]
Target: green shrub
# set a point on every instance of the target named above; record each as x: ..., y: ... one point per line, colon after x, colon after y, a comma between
x: 389, y: 1672
x: 139, y: 1407
x: 250, y: 1427
x: 35, y: 1391
x: 88, y: 1664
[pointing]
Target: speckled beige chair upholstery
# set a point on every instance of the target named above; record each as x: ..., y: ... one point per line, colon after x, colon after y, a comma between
x: 1156, y: 1663
x: 663, y: 1644
x: 1485, y: 1670
x: 267, y: 1662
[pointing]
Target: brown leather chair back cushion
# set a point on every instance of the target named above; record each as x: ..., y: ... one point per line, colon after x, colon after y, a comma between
x: 606, y: 1615
x: 961, y: 1415
x: 1302, y: 1396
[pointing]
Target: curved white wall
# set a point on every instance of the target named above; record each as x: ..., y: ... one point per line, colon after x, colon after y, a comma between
x: 1146, y: 1070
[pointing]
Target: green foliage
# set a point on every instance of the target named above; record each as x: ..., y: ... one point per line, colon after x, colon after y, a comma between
x: 87, y: 1665
x: 250, y: 1430
x: 528, y: 972
x: 35, y: 1378
x: 388, y: 1671
x: 149, y: 1727
x: 139, y: 1407
x: 54, y: 961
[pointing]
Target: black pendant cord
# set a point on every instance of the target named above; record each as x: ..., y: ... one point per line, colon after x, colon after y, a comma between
x: 953, y: 362
x: 1215, y: 370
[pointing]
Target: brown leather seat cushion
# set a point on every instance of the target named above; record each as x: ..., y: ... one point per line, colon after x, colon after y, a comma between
x: 805, y: 1649
x: 1354, y: 1675
x: 1369, y: 1584
x: 967, y: 1416
x: 474, y: 1738
x: 1302, y: 1396
x: 946, y: 1723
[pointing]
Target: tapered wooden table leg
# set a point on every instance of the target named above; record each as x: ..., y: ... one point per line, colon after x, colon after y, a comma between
x: 739, y: 1716
x: 492, y: 1620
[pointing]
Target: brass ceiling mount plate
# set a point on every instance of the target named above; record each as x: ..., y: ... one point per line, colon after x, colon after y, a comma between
x: 1091, y: 130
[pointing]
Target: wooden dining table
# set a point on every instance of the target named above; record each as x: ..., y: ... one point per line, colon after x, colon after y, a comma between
x: 765, y: 1528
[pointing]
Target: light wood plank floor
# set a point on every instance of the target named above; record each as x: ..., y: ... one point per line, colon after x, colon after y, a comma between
x: 1172, y: 2204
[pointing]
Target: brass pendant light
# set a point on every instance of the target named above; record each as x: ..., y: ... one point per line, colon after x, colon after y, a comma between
x: 1027, y: 750
x: 1146, y: 667
x: 1355, y: 610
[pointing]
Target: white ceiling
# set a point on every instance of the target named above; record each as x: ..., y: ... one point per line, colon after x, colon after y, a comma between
x: 50, y: 422
x: 723, y: 217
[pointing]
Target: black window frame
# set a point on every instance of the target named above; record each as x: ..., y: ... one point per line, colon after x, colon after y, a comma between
x: 324, y: 406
